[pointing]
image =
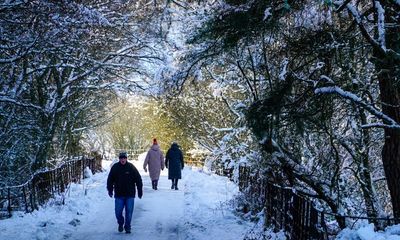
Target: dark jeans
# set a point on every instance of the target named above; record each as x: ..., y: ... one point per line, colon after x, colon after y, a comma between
x: 128, y: 203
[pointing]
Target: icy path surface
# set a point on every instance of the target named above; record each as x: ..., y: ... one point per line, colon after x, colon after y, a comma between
x: 197, y: 211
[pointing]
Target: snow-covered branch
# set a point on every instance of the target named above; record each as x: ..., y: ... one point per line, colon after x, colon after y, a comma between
x: 352, y: 97
x: 223, y: 129
x: 381, y: 24
x: 21, y: 104
x: 379, y: 44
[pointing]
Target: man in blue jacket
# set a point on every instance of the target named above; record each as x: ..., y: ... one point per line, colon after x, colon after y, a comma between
x: 122, y: 179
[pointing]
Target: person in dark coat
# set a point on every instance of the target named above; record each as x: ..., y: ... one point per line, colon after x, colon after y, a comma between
x: 122, y: 179
x: 174, y: 163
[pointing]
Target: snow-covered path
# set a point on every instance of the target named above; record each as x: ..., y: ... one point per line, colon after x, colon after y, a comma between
x: 158, y: 214
x: 198, y: 210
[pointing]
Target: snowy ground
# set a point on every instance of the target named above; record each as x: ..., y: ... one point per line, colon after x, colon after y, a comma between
x: 198, y: 210
x: 366, y: 232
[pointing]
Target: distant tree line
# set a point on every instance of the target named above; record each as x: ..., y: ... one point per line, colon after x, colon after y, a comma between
x: 140, y: 119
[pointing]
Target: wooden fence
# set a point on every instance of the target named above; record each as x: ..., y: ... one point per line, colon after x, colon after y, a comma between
x: 284, y: 209
x: 133, y: 154
x: 43, y: 185
x: 187, y: 158
x: 197, y: 161
x: 295, y: 214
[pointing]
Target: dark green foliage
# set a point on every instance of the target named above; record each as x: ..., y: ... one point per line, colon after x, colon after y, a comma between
x: 244, y: 22
x: 236, y: 2
x: 318, y: 42
x: 261, y: 113
x: 282, y: 110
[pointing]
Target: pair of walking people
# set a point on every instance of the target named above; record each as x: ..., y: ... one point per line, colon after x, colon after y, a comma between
x: 124, y: 179
x: 155, y: 161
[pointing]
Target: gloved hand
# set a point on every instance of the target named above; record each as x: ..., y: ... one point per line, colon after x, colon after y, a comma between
x: 110, y: 194
x: 145, y: 169
x: 140, y: 195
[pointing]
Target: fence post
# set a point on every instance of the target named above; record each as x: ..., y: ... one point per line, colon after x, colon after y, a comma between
x: 288, y: 204
x: 307, y: 219
x: 9, y: 202
x: 26, y: 202
x: 282, y: 208
x: 71, y: 169
x: 84, y: 163
x: 53, y: 181
x: 314, y: 223
x: 61, y: 180
x: 35, y: 200
x: 92, y: 164
x: 324, y: 227
x: 31, y: 197
x: 295, y: 207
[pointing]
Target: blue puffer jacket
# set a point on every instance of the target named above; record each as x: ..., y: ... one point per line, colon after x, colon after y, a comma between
x: 174, y: 162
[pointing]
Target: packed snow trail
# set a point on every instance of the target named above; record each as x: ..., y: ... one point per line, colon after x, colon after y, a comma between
x: 198, y: 210
x: 156, y: 216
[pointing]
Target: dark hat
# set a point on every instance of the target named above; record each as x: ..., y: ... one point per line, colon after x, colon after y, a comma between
x: 123, y: 155
x: 155, y: 141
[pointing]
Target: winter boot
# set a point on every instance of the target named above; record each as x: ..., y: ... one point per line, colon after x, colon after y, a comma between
x: 176, y: 184
x: 155, y: 184
x: 120, y: 228
x: 173, y: 184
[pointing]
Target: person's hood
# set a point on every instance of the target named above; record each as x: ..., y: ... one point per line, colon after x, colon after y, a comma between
x: 175, y: 145
x: 155, y: 147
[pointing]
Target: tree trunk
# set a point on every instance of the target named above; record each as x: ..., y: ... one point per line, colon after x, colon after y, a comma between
x: 387, y: 67
x: 391, y: 150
